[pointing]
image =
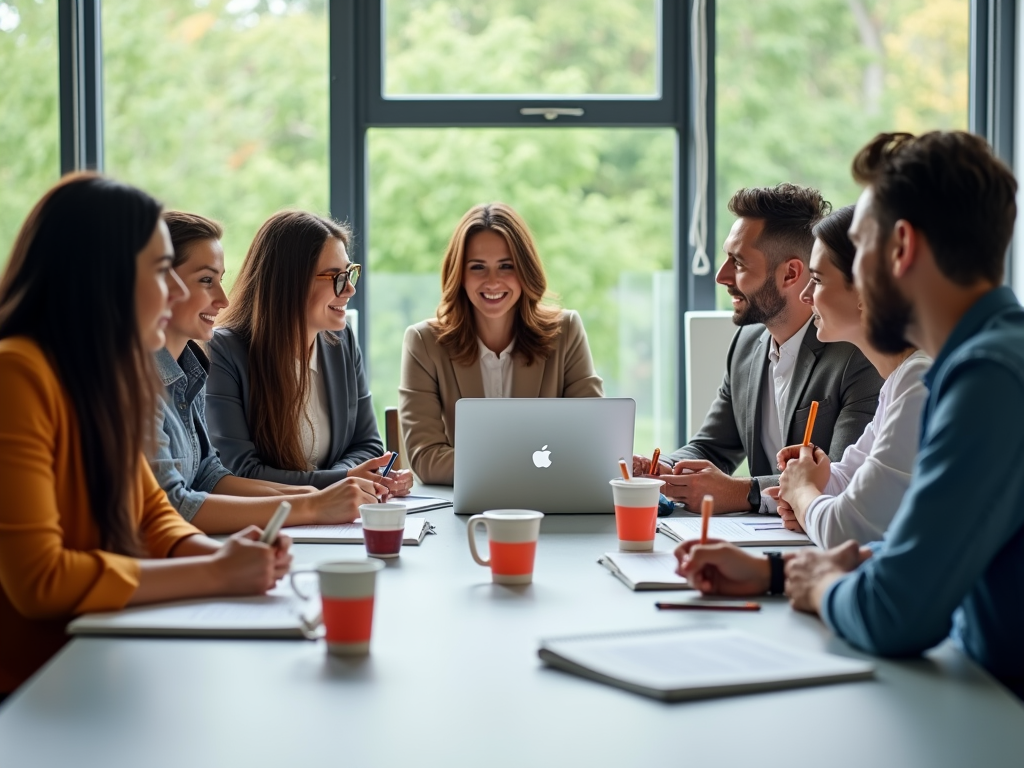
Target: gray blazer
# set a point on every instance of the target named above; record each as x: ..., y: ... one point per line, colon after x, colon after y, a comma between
x: 836, y: 374
x: 354, y: 435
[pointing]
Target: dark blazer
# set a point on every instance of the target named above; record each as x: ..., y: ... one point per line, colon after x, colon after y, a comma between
x: 836, y: 374
x: 354, y: 435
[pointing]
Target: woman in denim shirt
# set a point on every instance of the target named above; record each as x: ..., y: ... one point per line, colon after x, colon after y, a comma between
x: 186, y: 464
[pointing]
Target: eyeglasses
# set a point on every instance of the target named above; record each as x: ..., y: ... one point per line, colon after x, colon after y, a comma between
x: 350, y: 276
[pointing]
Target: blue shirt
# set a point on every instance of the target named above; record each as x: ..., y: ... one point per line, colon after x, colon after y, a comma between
x: 185, y: 464
x: 952, y: 562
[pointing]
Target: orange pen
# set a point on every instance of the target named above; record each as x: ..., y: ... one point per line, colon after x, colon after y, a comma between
x: 706, y: 507
x: 622, y: 468
x: 655, y: 469
x: 810, y: 422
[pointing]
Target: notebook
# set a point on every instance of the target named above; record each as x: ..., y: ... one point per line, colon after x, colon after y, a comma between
x: 745, y: 531
x: 696, y: 662
x: 278, y: 614
x: 553, y: 454
x: 644, y: 571
x: 420, y: 503
x: 416, y: 528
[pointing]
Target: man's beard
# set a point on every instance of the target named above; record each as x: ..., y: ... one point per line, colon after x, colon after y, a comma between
x: 762, y: 306
x: 886, y: 313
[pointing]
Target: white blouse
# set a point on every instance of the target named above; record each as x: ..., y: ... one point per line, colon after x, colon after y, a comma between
x: 496, y: 370
x: 866, y: 487
x: 315, y: 426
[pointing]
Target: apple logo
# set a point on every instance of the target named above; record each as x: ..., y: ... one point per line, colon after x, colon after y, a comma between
x: 542, y: 458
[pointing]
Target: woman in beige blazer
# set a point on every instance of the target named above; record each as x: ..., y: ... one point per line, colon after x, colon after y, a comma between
x: 491, y: 338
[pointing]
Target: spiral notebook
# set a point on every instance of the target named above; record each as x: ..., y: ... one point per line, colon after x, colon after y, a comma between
x: 645, y: 571
x: 693, y: 663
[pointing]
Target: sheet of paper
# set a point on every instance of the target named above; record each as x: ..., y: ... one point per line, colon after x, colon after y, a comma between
x: 647, y: 567
x: 749, y: 531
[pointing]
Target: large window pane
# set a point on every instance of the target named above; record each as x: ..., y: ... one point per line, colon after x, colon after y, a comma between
x: 29, y: 111
x: 219, y: 108
x: 599, y: 203
x: 467, y: 47
x: 801, y: 85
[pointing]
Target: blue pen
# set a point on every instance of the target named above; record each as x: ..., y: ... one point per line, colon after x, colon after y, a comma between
x: 391, y: 463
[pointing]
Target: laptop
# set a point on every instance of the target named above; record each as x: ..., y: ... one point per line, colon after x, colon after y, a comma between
x: 555, y: 455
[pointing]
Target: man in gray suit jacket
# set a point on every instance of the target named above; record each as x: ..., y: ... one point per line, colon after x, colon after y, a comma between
x: 776, y: 366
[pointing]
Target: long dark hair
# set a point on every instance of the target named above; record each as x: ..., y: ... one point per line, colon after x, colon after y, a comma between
x: 70, y: 286
x: 832, y: 231
x: 268, y: 311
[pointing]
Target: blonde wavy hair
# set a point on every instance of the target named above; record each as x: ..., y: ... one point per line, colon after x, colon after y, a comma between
x: 535, y: 326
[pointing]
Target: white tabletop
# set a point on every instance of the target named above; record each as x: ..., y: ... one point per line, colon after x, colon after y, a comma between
x: 454, y: 679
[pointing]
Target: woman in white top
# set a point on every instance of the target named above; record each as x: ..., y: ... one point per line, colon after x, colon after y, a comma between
x: 857, y: 497
x: 492, y: 337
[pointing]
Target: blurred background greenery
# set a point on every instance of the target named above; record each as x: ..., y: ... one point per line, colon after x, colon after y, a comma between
x: 220, y: 107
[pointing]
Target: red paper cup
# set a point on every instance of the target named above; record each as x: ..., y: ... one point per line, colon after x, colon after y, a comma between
x: 383, y: 528
x: 636, y: 511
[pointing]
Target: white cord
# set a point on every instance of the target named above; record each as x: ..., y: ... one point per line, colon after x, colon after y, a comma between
x: 701, y: 264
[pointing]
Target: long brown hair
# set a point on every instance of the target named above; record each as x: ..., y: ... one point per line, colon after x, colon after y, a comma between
x: 535, y: 326
x: 268, y: 311
x: 89, y: 229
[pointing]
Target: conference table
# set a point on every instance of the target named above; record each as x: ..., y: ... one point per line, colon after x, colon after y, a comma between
x: 453, y: 679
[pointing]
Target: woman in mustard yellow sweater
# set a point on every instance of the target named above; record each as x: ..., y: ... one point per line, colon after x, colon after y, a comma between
x: 84, y: 525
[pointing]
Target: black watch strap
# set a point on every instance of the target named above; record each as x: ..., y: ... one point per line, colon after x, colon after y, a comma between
x: 754, y: 495
x: 777, y: 578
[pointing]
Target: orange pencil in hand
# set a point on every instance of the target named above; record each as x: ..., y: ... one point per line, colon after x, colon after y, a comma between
x: 706, y: 508
x: 810, y: 422
x: 623, y: 469
x: 655, y: 469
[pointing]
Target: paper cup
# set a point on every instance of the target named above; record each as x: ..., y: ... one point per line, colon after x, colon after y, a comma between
x: 383, y: 528
x: 636, y: 511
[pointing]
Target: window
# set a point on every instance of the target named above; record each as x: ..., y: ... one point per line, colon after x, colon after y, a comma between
x: 599, y: 204
x: 466, y: 47
x: 800, y: 87
x: 29, y: 117
x: 219, y: 108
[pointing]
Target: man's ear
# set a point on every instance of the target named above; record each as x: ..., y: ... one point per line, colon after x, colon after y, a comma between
x: 794, y: 273
x: 903, y: 247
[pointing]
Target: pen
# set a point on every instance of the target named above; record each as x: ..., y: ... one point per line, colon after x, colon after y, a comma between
x: 622, y: 468
x: 708, y: 605
x: 654, y: 462
x: 706, y: 508
x: 274, y: 526
x: 810, y: 422
x: 391, y: 463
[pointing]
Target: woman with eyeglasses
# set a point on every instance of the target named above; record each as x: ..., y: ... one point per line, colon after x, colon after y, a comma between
x: 491, y: 337
x: 184, y: 461
x: 287, y: 399
x: 83, y: 525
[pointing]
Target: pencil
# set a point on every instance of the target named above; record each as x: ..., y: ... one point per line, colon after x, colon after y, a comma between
x: 625, y: 472
x: 654, y: 462
x: 696, y: 605
x: 706, y: 508
x: 810, y: 422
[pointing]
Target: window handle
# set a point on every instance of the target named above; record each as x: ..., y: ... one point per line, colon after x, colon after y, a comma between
x: 552, y: 113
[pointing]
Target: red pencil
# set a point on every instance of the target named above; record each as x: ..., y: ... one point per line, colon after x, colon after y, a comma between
x: 708, y: 605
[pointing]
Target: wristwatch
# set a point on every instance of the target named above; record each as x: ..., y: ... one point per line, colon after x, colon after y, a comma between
x: 754, y: 496
x: 777, y: 578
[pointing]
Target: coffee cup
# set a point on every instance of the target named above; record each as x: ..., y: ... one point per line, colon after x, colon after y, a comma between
x: 383, y: 528
x: 512, y: 539
x: 636, y: 511
x: 347, y: 595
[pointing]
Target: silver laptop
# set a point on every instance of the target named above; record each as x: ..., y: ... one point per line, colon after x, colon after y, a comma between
x: 555, y: 455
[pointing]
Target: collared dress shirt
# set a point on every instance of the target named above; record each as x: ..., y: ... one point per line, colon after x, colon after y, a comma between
x: 185, y: 462
x: 952, y: 562
x: 496, y: 370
